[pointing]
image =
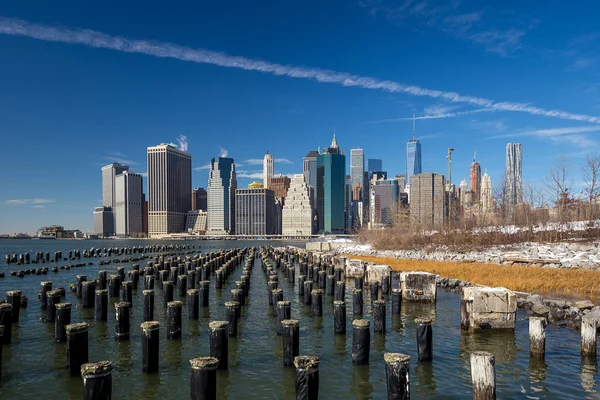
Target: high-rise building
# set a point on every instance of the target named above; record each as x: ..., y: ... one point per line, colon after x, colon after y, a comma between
x: 463, y: 188
x: 268, y: 169
x: 280, y: 185
x: 109, y: 172
x: 331, y: 174
x: 401, y: 182
x: 357, y: 166
x: 413, y: 159
x: 309, y: 167
x: 104, y: 223
x: 297, y: 214
x: 145, y: 216
x: 384, y: 198
x: 514, y: 173
x: 487, y: 194
x: 195, y: 222
x: 255, y: 212
x: 199, y: 199
x: 475, y: 178
x: 374, y: 164
x: 169, y: 189
x: 428, y: 199
x: 222, y: 183
x: 129, y: 205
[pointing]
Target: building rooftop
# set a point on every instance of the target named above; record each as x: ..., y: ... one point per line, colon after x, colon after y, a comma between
x: 312, y: 153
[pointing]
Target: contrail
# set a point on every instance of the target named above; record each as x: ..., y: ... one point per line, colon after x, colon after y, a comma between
x: 435, y: 116
x: 15, y: 27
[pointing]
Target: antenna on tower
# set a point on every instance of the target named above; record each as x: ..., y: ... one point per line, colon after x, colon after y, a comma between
x: 414, y: 131
x: 474, y: 155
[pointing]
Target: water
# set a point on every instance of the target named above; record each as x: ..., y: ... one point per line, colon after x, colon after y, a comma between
x: 34, y: 366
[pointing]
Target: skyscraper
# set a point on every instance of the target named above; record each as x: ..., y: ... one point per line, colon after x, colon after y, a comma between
x: 357, y: 166
x: 331, y: 174
x: 109, y: 173
x: 514, y: 173
x: 199, y: 199
x: 297, y: 214
x: 222, y: 183
x: 309, y: 164
x: 475, y: 177
x: 428, y: 199
x: 255, y: 212
x: 129, y: 199
x: 169, y: 189
x: 280, y: 185
x: 374, y: 164
x: 104, y: 221
x: 413, y: 159
x: 487, y: 196
x: 268, y: 169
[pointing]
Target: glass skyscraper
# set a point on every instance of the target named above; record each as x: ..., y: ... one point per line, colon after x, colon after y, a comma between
x: 357, y: 166
x: 331, y: 184
x: 374, y: 164
x: 222, y: 183
x: 310, y: 172
x: 413, y: 159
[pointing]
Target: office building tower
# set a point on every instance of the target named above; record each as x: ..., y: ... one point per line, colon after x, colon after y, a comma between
x: 349, y: 209
x: 268, y: 169
x: 331, y: 176
x: 384, y: 198
x: 514, y: 173
x: 169, y: 189
x: 104, y: 221
x: 199, y: 199
x: 297, y: 214
x: 129, y: 198
x: 309, y: 167
x: 475, y: 178
x: 357, y: 166
x: 195, y: 222
x: 255, y: 212
x: 145, y: 217
x: 280, y: 185
x: 463, y: 189
x: 109, y: 174
x: 487, y: 194
x: 374, y: 164
x: 428, y: 200
x: 401, y: 179
x: 413, y: 159
x: 222, y: 183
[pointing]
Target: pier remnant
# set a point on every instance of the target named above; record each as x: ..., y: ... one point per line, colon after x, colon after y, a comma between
x: 487, y: 308
x: 418, y: 286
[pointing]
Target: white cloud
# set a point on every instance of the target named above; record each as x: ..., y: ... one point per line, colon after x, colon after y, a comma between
x: 223, y: 152
x: 203, y: 167
x: 434, y: 116
x: 144, y: 174
x: 39, y: 207
x: 574, y: 135
x: 183, y: 143
x: 283, y: 161
x: 28, y: 201
x: 259, y: 161
x: 498, y: 40
x: 114, y: 158
x: 249, y: 174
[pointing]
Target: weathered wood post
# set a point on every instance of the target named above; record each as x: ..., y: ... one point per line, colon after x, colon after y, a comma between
x: 203, y: 378
x: 291, y: 340
x: 361, y: 341
x: 277, y: 297
x: 537, y: 337
x: 588, y: 336
x: 193, y: 303
x: 483, y: 375
x: 308, y: 285
x: 232, y: 313
x: 340, y: 291
x: 317, y: 302
x: 339, y: 317
x: 52, y: 299
x: 284, y: 311
x: 122, y: 326
x: 101, y: 305
x: 357, y: 301
x: 204, y: 293
x: 397, y: 373
x: 396, y: 301
x: 174, y: 319
x: 45, y: 288
x: 6, y: 311
x: 97, y: 380
x: 167, y: 292
x: 13, y: 297
x: 374, y: 286
x: 424, y: 339
x: 114, y: 285
x: 77, y: 347
x: 148, y: 313
x: 379, y: 307
x: 219, y: 345
x: 63, y: 318
x: 88, y: 294
x: 150, y: 346
x: 307, y: 377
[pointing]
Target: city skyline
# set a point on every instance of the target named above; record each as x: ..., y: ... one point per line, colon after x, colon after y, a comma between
x: 75, y: 106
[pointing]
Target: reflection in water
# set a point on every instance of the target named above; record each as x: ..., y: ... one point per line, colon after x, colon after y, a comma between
x: 589, y: 367
x: 412, y: 310
x: 361, y: 387
x: 379, y: 341
x: 289, y: 375
x: 397, y: 323
x: 318, y: 323
x: 425, y: 382
x: 173, y: 357
x: 501, y: 343
x: 537, y: 374
x: 124, y: 352
x: 339, y: 344
x: 205, y: 312
x: 223, y: 389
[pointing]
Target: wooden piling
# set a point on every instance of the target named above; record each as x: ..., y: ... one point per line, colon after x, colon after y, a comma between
x: 483, y: 375
x: 193, y: 303
x: 122, y: 326
x: 339, y: 317
x: 6, y: 311
x: 307, y: 377
x: 63, y: 318
x: 97, y: 380
x: 148, y: 313
x: 174, y: 319
x: 150, y: 346
x: 588, y: 337
x: 101, y: 305
x: 77, y: 347
x: 291, y: 340
x: 13, y: 297
x: 203, y: 378
x: 361, y: 341
x: 537, y: 337
x: 379, y: 315
x: 397, y: 372
x: 284, y: 311
x: 219, y: 347
x: 424, y: 339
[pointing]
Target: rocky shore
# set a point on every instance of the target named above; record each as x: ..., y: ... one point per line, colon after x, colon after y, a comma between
x: 555, y: 255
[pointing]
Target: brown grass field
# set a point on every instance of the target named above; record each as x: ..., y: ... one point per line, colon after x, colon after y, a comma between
x: 555, y: 283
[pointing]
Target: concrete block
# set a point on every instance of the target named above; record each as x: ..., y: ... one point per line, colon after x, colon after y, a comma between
x: 418, y: 286
x: 487, y: 308
x: 355, y: 268
x: 377, y: 273
x: 339, y: 262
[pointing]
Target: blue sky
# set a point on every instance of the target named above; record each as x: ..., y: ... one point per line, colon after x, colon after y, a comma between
x: 480, y: 75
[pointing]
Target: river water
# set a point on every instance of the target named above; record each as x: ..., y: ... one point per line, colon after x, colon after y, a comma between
x: 34, y: 365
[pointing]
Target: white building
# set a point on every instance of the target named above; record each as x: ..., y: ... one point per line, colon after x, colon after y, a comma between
x: 196, y: 221
x: 109, y: 173
x: 129, y: 200
x: 169, y: 189
x: 487, y: 194
x: 222, y: 183
x: 268, y: 169
x: 297, y: 213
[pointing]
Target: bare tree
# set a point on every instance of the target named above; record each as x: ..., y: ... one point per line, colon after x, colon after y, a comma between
x: 501, y: 198
x: 591, y: 179
x: 558, y: 185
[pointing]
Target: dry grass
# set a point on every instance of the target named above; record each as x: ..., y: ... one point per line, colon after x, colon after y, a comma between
x: 408, y: 239
x: 555, y: 283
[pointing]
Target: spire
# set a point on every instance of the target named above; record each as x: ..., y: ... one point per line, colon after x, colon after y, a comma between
x: 267, y: 151
x: 414, y: 130
x: 474, y: 154
x: 334, y: 144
